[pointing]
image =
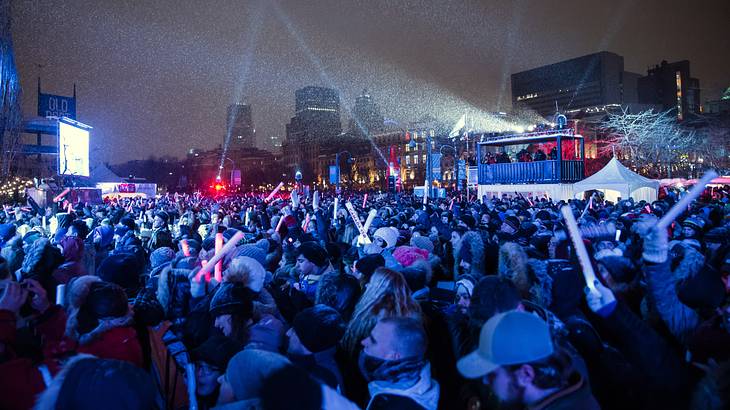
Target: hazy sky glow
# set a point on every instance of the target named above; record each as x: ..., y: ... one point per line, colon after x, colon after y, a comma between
x: 156, y: 77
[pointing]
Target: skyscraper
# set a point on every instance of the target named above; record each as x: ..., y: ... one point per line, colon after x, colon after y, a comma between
x: 367, y: 118
x: 593, y: 80
x: 671, y: 87
x: 317, y: 113
x: 240, y: 124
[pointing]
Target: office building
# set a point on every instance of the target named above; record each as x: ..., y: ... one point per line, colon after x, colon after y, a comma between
x: 240, y: 125
x: 671, y: 87
x: 594, y: 80
x: 366, y: 117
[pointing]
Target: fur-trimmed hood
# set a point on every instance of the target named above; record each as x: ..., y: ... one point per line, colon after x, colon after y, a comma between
x: 474, y: 243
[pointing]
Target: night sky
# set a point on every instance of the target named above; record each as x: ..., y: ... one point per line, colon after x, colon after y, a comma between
x: 155, y: 77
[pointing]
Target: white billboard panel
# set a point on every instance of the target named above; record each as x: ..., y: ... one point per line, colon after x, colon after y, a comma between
x: 73, y: 149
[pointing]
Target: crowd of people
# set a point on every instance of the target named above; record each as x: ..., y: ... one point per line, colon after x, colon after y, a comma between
x: 453, y: 303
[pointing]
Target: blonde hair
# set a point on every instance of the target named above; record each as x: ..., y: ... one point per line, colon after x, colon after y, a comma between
x: 386, y: 295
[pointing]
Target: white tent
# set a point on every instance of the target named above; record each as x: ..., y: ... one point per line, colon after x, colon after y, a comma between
x: 615, y: 180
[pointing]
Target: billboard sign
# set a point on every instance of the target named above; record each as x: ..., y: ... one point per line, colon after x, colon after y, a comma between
x: 236, y: 177
x: 50, y: 105
x: 73, y: 148
x: 334, y: 177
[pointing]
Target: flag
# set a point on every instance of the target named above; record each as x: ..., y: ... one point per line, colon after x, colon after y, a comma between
x: 458, y: 127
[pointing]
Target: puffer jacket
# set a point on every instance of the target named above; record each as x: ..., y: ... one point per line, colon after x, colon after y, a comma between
x: 681, y: 320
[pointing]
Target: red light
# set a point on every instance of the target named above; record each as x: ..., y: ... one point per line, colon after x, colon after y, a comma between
x: 218, y: 187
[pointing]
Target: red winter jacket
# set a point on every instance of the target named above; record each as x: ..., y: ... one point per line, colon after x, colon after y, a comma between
x: 22, y: 380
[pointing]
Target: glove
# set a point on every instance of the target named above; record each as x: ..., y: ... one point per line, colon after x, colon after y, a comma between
x: 602, y: 304
x: 656, y: 245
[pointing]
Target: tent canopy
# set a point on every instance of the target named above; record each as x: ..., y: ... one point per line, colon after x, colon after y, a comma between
x: 616, y: 177
x: 102, y: 173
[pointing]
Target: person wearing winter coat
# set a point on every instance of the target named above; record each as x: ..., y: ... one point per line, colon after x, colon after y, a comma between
x: 313, y: 340
x: 241, y: 384
x: 72, y: 249
x: 100, y: 321
x: 87, y: 382
x: 393, y: 362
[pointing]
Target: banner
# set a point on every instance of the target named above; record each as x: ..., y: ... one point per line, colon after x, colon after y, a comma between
x: 436, y: 167
x: 333, y: 175
x: 462, y: 170
x: 236, y: 177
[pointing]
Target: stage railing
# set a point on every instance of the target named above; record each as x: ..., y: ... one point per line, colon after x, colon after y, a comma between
x: 538, y: 172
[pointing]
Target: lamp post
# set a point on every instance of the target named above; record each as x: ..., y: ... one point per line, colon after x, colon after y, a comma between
x: 337, y: 164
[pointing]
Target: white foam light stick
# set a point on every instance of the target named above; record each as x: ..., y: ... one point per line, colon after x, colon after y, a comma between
x: 686, y: 200
x: 334, y: 213
x: 364, y: 200
x: 271, y: 195
x: 356, y: 219
x: 588, y: 205
x: 371, y: 215
x: 44, y: 223
x: 220, y: 254
x: 580, y: 249
x: 60, y: 294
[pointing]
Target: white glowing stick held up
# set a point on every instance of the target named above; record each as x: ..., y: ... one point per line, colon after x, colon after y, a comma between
x: 271, y: 195
x: 371, y: 215
x: 334, y: 213
x: 364, y: 201
x: 686, y: 200
x: 356, y: 219
x: 580, y: 249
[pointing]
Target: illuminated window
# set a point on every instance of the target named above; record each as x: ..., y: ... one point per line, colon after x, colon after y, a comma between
x: 423, y: 158
x: 408, y: 160
x: 678, y: 79
x: 415, y: 159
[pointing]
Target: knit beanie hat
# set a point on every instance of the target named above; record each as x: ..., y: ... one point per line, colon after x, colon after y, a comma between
x: 248, y: 369
x: 422, y: 242
x: 313, y: 252
x: 161, y: 256
x: 367, y: 264
x: 232, y: 298
x: 123, y: 269
x: 252, y: 251
x: 388, y: 234
x: 408, y: 255
x: 217, y: 351
x: 263, y: 244
x: 513, y: 222
x: 319, y: 328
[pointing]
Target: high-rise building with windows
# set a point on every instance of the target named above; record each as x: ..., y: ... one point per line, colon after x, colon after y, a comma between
x: 594, y: 80
x: 366, y: 117
x: 316, y: 113
x: 671, y: 87
x: 240, y: 125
